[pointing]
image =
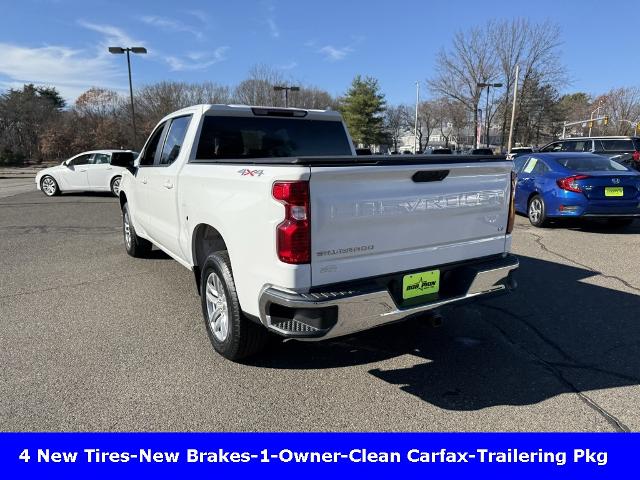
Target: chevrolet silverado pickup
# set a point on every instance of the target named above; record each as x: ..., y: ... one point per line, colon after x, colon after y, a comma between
x: 288, y: 232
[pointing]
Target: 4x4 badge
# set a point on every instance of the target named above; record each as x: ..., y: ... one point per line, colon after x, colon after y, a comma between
x: 245, y: 172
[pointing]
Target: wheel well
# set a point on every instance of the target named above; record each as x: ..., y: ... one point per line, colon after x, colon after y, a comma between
x: 123, y: 200
x: 113, y: 178
x: 205, y: 240
x: 533, y: 194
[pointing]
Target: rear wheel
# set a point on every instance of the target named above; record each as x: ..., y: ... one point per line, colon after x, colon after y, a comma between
x: 136, y: 246
x: 232, y: 334
x: 537, y: 212
x: 49, y: 186
x: 115, y: 186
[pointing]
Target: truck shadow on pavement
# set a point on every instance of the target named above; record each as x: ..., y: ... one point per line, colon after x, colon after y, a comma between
x: 557, y: 333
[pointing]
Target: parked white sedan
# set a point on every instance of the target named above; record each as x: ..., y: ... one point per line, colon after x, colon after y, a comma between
x: 88, y: 171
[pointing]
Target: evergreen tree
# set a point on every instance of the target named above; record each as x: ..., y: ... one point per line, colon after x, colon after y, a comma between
x: 362, y: 109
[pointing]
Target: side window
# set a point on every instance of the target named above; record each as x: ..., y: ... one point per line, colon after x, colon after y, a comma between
x: 174, y: 140
x: 148, y: 156
x: 553, y: 147
x: 568, y: 146
x: 531, y: 164
x: 583, y: 146
x: 540, y: 168
x: 101, y: 158
x: 519, y: 162
x: 81, y: 159
x: 618, y: 145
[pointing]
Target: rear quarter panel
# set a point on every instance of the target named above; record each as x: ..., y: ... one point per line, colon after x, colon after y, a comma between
x: 242, y: 209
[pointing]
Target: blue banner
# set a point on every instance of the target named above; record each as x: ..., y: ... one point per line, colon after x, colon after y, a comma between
x: 316, y: 455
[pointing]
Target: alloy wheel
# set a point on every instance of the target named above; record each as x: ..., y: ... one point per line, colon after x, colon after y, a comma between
x: 115, y: 186
x: 217, y: 308
x: 49, y: 186
x: 535, y: 210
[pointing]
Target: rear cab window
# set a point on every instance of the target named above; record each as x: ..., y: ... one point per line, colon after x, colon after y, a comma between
x: 263, y: 137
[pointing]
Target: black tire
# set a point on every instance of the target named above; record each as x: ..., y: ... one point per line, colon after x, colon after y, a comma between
x: 115, y: 185
x: 537, y: 212
x: 619, y: 222
x: 49, y: 186
x: 135, y: 246
x: 242, y: 337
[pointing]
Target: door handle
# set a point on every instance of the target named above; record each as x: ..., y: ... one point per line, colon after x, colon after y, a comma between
x: 83, y: 169
x: 109, y: 168
x: 168, y: 184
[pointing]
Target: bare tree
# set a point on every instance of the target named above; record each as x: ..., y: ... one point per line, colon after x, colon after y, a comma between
x: 395, y: 124
x: 471, y: 60
x: 258, y: 88
x: 533, y: 46
x: 623, y: 107
x: 427, y: 122
x: 157, y: 100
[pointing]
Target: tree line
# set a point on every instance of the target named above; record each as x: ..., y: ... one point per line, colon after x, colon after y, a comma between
x: 37, y: 125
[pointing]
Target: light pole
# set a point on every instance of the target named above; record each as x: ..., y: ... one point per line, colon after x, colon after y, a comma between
x: 286, y: 89
x: 120, y: 51
x: 486, y: 112
x: 415, y: 126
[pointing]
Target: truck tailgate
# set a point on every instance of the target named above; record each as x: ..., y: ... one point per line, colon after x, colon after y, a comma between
x: 380, y: 219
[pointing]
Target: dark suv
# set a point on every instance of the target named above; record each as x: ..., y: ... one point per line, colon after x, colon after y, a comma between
x: 625, y: 150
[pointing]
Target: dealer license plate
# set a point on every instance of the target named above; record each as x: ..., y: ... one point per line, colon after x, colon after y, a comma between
x: 613, y: 191
x: 422, y: 283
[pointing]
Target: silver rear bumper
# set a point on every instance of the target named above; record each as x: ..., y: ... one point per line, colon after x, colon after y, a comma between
x: 287, y: 313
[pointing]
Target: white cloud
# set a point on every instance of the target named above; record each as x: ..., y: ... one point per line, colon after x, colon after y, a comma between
x: 196, y: 60
x: 168, y: 24
x: 71, y: 71
x: 199, y: 14
x: 334, y: 54
x: 288, y: 66
x: 114, y: 36
x: 273, y: 28
x: 270, y: 19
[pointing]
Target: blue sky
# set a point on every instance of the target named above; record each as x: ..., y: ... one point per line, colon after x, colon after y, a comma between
x: 323, y: 42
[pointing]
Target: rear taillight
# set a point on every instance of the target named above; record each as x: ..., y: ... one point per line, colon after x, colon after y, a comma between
x: 569, y: 183
x: 636, y: 156
x: 293, y: 235
x: 512, y: 204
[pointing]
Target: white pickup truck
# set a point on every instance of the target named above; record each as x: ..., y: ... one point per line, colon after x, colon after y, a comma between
x: 288, y: 231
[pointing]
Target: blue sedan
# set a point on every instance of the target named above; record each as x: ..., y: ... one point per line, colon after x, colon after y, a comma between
x: 555, y: 185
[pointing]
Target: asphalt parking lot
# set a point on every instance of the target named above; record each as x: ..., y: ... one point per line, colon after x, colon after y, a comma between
x: 91, y: 339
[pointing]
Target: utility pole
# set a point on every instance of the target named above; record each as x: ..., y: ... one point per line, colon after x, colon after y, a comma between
x: 479, y: 129
x: 513, y: 109
x: 415, y: 126
x: 597, y: 115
